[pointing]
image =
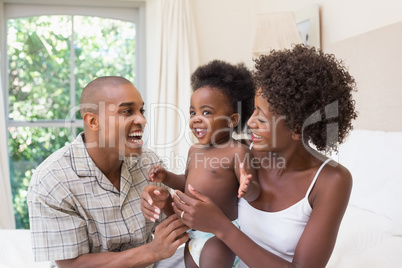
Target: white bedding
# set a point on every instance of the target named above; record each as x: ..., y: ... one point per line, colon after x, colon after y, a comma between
x: 15, y: 250
x: 370, y: 235
x: 368, y: 240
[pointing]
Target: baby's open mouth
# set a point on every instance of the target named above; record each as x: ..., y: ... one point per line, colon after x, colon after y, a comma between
x: 200, y: 132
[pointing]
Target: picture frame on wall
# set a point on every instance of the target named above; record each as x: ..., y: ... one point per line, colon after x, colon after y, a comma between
x: 308, y: 23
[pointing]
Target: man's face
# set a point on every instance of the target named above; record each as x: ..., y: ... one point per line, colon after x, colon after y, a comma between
x: 121, y: 120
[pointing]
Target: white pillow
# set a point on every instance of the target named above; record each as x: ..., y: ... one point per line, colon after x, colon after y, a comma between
x: 360, y: 231
x: 16, y: 251
x: 375, y: 160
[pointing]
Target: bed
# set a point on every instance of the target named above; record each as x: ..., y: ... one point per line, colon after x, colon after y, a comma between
x: 370, y: 235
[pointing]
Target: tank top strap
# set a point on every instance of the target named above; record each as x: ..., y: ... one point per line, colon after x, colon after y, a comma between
x: 316, y: 176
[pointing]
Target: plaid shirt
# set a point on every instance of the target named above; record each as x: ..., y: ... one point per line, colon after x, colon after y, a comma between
x: 74, y: 209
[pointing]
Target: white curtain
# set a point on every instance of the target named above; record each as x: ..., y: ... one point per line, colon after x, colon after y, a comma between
x: 176, y: 58
x: 6, y: 206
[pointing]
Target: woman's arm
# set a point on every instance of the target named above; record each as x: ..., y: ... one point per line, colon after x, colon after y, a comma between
x: 331, y: 195
x: 202, y: 214
x: 329, y: 199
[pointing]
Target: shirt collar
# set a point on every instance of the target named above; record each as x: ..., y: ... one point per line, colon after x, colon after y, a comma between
x: 81, y: 162
x: 84, y: 166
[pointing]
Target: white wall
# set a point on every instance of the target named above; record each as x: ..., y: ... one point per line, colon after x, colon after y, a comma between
x: 226, y: 29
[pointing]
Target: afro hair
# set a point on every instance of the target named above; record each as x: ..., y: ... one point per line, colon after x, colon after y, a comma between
x: 234, y: 81
x: 312, y: 90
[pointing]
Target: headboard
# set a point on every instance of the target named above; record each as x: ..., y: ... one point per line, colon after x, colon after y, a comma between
x: 374, y: 59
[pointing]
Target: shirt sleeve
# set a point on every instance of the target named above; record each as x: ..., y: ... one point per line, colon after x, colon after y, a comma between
x: 57, y: 230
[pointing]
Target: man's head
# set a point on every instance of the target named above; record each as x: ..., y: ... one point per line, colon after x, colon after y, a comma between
x: 113, y: 114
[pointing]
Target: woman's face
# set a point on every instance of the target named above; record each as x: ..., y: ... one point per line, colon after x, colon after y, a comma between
x: 268, y: 129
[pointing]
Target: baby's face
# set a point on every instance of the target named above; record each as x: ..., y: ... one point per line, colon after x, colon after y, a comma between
x: 210, y: 116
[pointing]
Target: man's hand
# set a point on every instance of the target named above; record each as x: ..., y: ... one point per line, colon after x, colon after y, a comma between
x: 154, y: 200
x: 169, y: 235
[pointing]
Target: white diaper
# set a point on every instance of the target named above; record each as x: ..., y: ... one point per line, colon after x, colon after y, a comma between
x: 198, y: 240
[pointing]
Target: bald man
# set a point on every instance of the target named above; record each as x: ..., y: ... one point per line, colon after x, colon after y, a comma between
x: 84, y: 199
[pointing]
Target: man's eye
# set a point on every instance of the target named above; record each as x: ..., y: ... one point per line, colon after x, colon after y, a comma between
x: 192, y: 113
x: 206, y: 113
x: 128, y: 112
x: 142, y: 111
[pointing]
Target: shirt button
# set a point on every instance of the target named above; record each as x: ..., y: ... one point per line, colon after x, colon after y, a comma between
x: 131, y: 230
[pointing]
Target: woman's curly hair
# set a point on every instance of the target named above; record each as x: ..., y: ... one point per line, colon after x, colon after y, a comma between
x: 234, y: 81
x: 312, y: 90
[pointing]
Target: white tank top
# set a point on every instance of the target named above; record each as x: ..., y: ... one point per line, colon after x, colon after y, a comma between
x: 280, y: 231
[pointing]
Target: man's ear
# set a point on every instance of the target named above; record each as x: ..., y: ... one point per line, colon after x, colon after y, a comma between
x: 234, y: 120
x: 92, y: 121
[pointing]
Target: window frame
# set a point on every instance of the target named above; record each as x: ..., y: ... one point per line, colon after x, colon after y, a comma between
x: 86, y: 8
x: 125, y: 6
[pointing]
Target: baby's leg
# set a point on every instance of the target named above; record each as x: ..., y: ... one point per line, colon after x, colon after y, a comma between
x: 216, y: 254
x: 188, y: 259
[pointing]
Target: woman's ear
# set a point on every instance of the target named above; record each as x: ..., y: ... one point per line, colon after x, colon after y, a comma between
x: 234, y: 120
x: 296, y: 136
x: 92, y: 121
x: 296, y: 133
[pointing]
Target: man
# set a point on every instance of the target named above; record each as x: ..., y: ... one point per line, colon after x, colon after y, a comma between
x: 84, y: 200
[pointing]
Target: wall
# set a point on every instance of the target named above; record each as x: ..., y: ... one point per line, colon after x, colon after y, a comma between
x: 226, y: 28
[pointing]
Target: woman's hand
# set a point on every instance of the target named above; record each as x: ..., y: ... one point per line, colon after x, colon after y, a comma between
x: 154, y: 199
x: 200, y: 213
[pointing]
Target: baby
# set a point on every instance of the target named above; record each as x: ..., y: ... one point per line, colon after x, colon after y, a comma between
x: 217, y: 165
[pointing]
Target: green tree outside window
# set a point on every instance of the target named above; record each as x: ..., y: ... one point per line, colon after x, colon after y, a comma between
x: 50, y: 60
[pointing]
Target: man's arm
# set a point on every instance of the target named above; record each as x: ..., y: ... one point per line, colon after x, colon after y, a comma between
x: 169, y: 235
x: 60, y: 232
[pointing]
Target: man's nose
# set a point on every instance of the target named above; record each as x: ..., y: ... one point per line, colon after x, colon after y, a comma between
x: 139, y: 120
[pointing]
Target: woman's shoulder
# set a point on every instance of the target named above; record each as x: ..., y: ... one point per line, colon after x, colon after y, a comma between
x: 334, y: 178
x: 334, y: 171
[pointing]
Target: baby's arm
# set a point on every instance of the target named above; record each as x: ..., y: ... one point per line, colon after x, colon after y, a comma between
x: 249, y: 187
x: 159, y: 174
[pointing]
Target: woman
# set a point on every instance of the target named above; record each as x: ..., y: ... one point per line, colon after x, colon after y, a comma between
x: 303, y: 100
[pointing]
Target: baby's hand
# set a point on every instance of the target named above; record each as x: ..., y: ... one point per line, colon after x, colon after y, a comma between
x: 244, y: 181
x: 157, y: 174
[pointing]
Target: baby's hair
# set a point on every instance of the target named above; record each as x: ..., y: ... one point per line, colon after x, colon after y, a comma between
x: 302, y: 81
x: 234, y: 81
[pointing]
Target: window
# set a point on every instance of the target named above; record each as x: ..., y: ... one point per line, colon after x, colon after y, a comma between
x: 52, y: 52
